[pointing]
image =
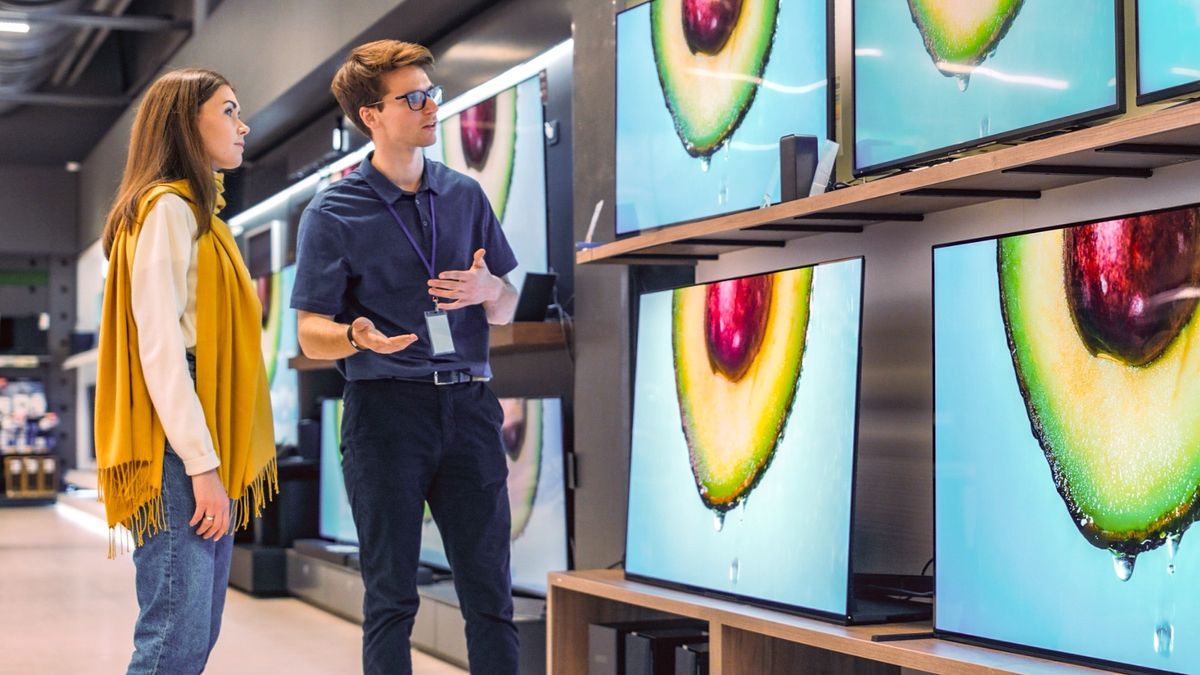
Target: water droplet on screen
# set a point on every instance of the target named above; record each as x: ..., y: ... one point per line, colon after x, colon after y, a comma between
x: 1123, y: 565
x: 705, y: 162
x: 1164, y: 639
x: 734, y: 569
x: 963, y: 81
x: 719, y: 521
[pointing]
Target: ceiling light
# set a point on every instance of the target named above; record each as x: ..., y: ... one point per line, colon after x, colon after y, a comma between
x: 14, y: 27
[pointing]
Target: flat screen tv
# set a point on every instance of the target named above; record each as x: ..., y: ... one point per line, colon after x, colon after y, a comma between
x: 1067, y: 440
x: 537, y: 495
x: 279, y: 344
x: 334, y: 520
x: 702, y: 103
x: 935, y: 76
x: 745, y: 414
x: 1168, y: 49
x: 500, y: 142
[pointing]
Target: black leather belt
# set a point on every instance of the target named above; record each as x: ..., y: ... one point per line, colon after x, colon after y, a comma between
x: 444, y: 377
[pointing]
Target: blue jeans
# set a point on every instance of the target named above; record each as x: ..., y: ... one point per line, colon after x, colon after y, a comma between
x: 181, y: 582
x: 405, y: 443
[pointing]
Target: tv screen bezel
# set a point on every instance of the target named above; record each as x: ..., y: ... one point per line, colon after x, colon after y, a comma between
x: 1015, y: 135
x: 966, y: 638
x: 844, y: 618
x: 830, y: 111
x: 1154, y: 96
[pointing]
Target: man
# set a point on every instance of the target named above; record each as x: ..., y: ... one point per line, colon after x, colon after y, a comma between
x: 400, y: 269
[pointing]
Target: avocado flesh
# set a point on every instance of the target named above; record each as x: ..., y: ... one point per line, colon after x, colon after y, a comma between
x: 709, y: 94
x: 525, y: 467
x: 959, y: 34
x: 733, y: 427
x: 492, y: 165
x: 1122, y: 441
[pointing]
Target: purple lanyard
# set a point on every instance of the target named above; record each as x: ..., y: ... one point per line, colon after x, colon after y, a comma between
x: 432, y: 260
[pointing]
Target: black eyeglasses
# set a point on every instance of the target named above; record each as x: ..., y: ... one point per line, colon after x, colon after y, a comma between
x: 416, y: 99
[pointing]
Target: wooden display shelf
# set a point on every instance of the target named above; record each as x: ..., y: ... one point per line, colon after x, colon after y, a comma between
x: 746, y: 640
x: 513, y: 338
x: 1131, y: 147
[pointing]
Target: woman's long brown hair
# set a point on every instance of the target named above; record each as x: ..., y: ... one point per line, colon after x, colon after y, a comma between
x: 166, y: 146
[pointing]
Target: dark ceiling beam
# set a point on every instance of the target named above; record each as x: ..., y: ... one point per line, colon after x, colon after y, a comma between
x: 144, y: 24
x: 65, y: 100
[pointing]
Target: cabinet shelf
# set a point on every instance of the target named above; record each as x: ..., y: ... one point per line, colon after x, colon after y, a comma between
x: 745, y: 640
x: 513, y: 338
x: 1130, y: 148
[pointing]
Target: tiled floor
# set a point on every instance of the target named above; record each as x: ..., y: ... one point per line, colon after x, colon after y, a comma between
x: 64, y: 609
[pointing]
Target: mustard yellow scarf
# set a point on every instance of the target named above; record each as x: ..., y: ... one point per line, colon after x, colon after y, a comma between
x: 231, y: 382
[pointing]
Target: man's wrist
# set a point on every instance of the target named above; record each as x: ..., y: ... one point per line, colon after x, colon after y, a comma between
x: 350, y: 339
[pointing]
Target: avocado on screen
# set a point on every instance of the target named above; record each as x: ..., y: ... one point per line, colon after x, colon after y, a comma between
x: 481, y: 142
x: 961, y: 35
x: 710, y: 56
x: 738, y: 347
x: 1101, y: 323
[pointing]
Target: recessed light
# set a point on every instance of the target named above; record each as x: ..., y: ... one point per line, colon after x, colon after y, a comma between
x: 74, y: 167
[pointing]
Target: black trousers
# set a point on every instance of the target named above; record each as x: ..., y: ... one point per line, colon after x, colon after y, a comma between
x: 405, y: 443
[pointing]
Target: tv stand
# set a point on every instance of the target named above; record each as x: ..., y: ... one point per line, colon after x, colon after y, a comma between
x: 747, y: 640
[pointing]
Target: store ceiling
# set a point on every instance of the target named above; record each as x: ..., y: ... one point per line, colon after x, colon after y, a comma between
x: 70, y: 68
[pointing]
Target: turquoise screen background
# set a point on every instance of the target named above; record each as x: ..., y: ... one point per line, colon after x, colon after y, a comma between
x: 1168, y: 43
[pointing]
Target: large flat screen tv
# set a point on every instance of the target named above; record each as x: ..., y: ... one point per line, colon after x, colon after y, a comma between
x: 702, y: 101
x: 744, y: 432
x: 500, y: 142
x: 533, y: 440
x: 537, y: 496
x: 1067, y: 440
x: 935, y: 76
x: 1168, y: 49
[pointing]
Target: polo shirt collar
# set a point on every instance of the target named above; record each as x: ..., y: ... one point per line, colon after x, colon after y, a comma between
x: 430, y: 180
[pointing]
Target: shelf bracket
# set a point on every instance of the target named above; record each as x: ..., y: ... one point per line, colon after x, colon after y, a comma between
x: 973, y: 192
x: 785, y: 227
x: 743, y: 243
x: 1176, y: 149
x: 647, y: 258
x: 1068, y: 170
x: 863, y: 215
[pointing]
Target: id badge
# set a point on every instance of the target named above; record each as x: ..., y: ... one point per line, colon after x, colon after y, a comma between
x: 441, y: 341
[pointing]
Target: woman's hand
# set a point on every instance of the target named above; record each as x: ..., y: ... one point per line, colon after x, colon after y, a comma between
x: 212, y: 506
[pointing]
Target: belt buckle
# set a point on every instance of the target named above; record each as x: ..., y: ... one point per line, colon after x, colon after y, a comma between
x: 451, y: 377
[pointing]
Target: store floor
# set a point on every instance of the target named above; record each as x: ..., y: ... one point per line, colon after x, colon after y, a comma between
x: 64, y: 608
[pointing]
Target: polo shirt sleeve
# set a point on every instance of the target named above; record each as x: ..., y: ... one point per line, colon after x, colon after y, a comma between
x: 499, y: 258
x: 322, y: 270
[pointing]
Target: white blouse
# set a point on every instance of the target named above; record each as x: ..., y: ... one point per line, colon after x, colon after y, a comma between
x: 164, y: 309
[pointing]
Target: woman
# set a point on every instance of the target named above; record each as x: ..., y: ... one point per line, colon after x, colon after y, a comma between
x: 183, y: 418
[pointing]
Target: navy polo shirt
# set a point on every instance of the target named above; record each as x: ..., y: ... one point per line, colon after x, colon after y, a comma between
x: 353, y: 259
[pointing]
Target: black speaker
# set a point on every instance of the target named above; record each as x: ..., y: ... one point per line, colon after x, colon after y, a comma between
x: 606, y: 641
x: 652, y: 651
x: 691, y: 659
x: 797, y: 166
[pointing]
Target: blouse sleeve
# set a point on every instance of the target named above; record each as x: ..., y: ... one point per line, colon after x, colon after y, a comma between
x: 160, y: 270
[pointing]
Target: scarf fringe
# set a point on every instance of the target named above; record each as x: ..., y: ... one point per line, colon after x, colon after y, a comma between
x: 125, y: 485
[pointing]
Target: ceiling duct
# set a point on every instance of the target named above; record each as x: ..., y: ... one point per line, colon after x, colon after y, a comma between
x: 29, y: 59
